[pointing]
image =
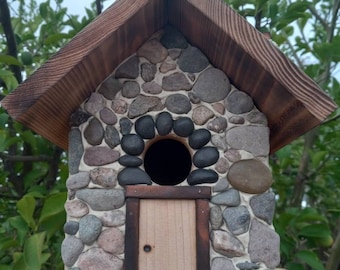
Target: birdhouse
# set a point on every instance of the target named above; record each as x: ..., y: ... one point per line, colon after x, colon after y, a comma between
x: 169, y: 111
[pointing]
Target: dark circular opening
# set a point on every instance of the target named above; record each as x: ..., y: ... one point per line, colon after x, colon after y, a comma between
x: 167, y: 162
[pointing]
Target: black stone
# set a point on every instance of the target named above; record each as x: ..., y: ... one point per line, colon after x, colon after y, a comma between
x: 109, y: 88
x: 132, y: 144
x: 192, y: 60
x: 199, y: 138
x: 130, y: 161
x: 75, y: 150
x: 164, y: 123
x: 178, y: 103
x: 125, y: 125
x: 173, y: 39
x: 183, y: 126
x: 111, y: 136
x: 133, y: 176
x: 205, y: 157
x: 145, y: 127
x: 94, y: 132
x: 79, y: 117
x: 201, y: 176
x: 71, y: 227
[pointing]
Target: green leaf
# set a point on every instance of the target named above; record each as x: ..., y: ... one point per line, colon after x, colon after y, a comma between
x: 21, y: 226
x: 7, y: 242
x: 26, y: 208
x: 56, y: 38
x: 310, y: 258
x: 53, y: 205
x: 33, y: 248
x: 3, y: 119
x: 9, y: 79
x: 294, y: 266
x: 20, y: 263
x: 315, y: 231
x: 9, y: 60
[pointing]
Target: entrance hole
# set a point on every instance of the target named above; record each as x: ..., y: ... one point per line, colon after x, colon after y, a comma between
x: 167, y: 162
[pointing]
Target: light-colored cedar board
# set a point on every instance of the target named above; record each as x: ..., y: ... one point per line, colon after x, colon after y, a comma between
x: 167, y: 192
x: 202, y: 234
x: 169, y: 227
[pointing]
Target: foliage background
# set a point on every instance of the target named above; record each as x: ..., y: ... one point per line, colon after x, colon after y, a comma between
x: 33, y: 171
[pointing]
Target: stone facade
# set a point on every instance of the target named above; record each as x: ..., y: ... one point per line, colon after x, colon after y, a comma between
x: 168, y: 88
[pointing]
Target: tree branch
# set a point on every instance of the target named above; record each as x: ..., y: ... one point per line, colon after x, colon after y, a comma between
x: 41, y: 158
x: 99, y: 6
x: 318, y: 17
x: 333, y: 261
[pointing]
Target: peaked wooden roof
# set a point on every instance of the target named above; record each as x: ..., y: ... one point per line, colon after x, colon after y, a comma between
x: 292, y: 102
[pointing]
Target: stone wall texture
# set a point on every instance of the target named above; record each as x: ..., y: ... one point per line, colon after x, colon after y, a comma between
x: 169, y: 88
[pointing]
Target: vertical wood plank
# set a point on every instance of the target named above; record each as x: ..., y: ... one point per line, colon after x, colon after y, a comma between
x: 202, y: 234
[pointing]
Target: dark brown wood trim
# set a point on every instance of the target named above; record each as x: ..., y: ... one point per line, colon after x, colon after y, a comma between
x: 167, y: 192
x: 131, y: 234
x: 202, y: 235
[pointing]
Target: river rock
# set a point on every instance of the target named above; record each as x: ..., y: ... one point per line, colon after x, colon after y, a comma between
x: 119, y: 106
x: 237, y: 219
x: 76, y: 208
x: 110, y: 87
x: 201, y: 176
x: 176, y: 82
x: 201, y: 115
x: 108, y: 116
x: 71, y: 248
x: 111, y: 136
x: 79, y: 117
x: 133, y: 176
x: 125, y: 125
x: 221, y: 263
x: 89, y: 229
x: 145, y: 127
x: 129, y: 69
x: 78, y: 180
x: 71, y: 227
x: 153, y: 51
x: 113, y: 218
x: 104, y: 177
x: 164, y: 123
x: 152, y: 88
x: 178, y: 103
x: 263, y: 206
x: 229, y: 198
x: 192, y: 60
x: 205, y: 157
x: 100, y: 155
x: 130, y: 89
x: 132, y: 144
x: 216, y: 219
x: 130, y: 161
x: 94, y: 132
x: 148, y: 71
x: 143, y: 104
x: 94, y: 104
x: 199, y: 138
x: 239, y: 102
x: 183, y: 126
x: 226, y: 244
x: 219, y: 124
x: 96, y: 258
x: 112, y: 241
x: 173, y: 38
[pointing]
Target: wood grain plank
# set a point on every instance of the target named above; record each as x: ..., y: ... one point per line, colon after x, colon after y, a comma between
x: 202, y: 234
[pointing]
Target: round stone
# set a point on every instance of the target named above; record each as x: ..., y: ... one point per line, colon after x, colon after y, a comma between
x: 233, y: 155
x: 219, y: 141
x: 166, y: 66
x: 152, y: 88
x: 145, y: 127
x: 108, y: 116
x: 130, y: 89
x: 97, y: 258
x: 219, y: 124
x: 202, y: 176
x: 132, y: 144
x: 79, y: 117
x: 113, y: 218
x: 192, y: 60
x: 78, y: 180
x: 153, y: 50
x: 148, y: 71
x: 94, y: 104
x: 125, y: 125
x: 76, y: 208
x: 219, y: 107
x: 71, y: 227
x: 110, y: 87
x: 143, y: 104
x: 164, y: 123
x: 111, y: 137
x: 89, y: 229
x: 201, y: 115
x: 239, y: 102
x: 221, y: 185
x: 237, y: 120
x: 216, y: 219
x: 229, y: 198
x: 129, y: 69
x: 205, y: 157
x: 119, y: 106
x: 247, y: 266
x: 212, y: 85
x: 94, y: 132
x: 237, y: 219
x: 257, y: 118
x: 193, y: 98
x: 173, y: 38
x: 112, y: 241
x: 263, y: 206
x: 130, y: 161
x: 199, y: 138
x: 100, y: 155
x: 71, y: 248
x: 227, y: 244
x: 183, y: 126
x: 104, y: 177
x: 221, y: 263
x: 133, y: 176
x: 176, y: 82
x: 250, y: 176
x: 222, y: 166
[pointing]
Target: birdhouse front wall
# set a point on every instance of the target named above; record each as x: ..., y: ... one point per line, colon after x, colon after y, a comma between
x: 168, y: 123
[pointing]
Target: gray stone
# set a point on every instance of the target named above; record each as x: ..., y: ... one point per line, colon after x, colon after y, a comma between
x: 153, y: 51
x: 167, y: 66
x: 125, y: 125
x: 112, y: 241
x: 192, y: 60
x: 263, y: 206
x: 76, y: 208
x: 102, y: 199
x: 148, y: 71
x: 176, y: 82
x: 253, y: 139
x: 222, y: 166
x: 194, y: 99
x: 100, y: 155
x: 130, y: 89
x: 229, y: 198
x: 79, y: 117
x: 75, y: 150
x: 108, y: 116
x: 94, y: 132
x: 221, y: 185
x: 202, y: 176
x: 133, y: 176
x: 104, y: 177
x: 183, y: 126
x: 201, y: 115
x: 221, y: 263
x: 78, y: 180
x: 212, y: 85
x: 237, y: 219
x: 173, y: 39
x: 247, y: 266
x: 110, y: 87
x: 226, y: 244
x: 164, y: 123
x: 130, y: 161
x: 152, y: 88
x: 119, y: 106
x: 205, y: 157
x: 219, y: 141
x: 199, y: 138
x: 219, y: 107
x: 145, y: 127
x: 239, y: 102
x: 98, y: 259
x: 129, y: 69
x: 71, y: 248
x: 250, y: 176
x: 71, y: 227
x: 132, y: 144
x: 174, y: 53
x: 111, y: 136
x: 216, y: 219
x: 113, y: 218
x: 95, y: 103
x: 237, y: 120
x: 233, y: 155
x: 143, y: 104
x: 257, y: 118
x: 264, y: 244
x: 219, y: 124
x: 178, y: 103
